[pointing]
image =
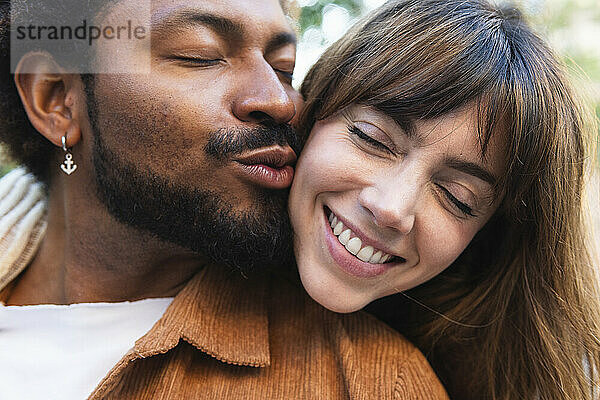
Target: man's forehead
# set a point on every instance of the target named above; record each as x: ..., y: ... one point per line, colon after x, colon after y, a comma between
x: 253, y: 15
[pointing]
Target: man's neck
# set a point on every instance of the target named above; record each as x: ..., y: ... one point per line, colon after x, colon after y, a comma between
x: 88, y: 256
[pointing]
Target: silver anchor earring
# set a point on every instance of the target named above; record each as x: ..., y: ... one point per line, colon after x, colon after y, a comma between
x: 68, y: 166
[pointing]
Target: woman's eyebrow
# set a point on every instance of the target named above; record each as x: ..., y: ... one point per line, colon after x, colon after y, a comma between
x: 472, y: 169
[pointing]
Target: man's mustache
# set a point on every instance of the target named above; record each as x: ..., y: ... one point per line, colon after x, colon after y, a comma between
x: 229, y: 142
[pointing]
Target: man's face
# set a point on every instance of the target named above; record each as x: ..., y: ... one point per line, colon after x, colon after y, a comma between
x: 199, y: 151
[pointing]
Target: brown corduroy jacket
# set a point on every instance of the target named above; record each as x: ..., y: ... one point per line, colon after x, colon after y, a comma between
x: 225, y: 337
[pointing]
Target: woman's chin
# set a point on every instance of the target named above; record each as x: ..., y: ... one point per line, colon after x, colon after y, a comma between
x: 332, y: 295
x: 338, y: 306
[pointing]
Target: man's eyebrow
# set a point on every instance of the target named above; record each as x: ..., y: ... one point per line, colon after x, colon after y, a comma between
x: 472, y: 169
x: 192, y: 18
x: 280, y: 40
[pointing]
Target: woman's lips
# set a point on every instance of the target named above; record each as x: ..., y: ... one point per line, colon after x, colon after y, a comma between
x: 269, y: 167
x: 348, y: 262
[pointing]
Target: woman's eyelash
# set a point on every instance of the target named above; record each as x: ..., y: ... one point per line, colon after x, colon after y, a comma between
x: 363, y: 136
x: 465, y: 209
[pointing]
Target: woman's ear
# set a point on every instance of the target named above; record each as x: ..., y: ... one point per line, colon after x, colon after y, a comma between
x: 46, y: 97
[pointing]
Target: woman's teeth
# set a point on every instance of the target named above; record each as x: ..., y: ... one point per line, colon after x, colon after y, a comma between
x: 354, y: 245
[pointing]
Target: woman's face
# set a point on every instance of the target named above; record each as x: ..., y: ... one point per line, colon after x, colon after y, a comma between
x: 377, y: 210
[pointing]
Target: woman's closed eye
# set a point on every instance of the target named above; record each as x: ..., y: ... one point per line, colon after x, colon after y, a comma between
x: 354, y: 130
x: 462, y: 207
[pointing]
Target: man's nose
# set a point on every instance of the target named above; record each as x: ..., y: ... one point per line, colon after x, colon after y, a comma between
x: 262, y: 97
x: 391, y: 204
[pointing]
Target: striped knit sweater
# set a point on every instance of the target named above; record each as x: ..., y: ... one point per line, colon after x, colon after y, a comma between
x: 22, y: 222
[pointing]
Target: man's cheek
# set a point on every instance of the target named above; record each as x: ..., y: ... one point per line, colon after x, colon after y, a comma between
x: 299, y: 103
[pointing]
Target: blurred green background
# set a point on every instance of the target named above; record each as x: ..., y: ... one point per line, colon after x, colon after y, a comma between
x: 5, y: 165
x: 571, y: 26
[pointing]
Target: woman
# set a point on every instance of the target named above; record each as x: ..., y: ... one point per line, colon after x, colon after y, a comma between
x: 445, y: 162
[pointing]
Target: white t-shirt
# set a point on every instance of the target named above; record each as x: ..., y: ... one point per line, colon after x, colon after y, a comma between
x: 60, y: 352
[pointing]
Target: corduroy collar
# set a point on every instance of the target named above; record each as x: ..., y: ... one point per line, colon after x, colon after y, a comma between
x: 220, y: 313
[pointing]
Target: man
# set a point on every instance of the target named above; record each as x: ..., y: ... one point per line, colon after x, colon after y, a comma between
x: 165, y: 177
x: 199, y: 164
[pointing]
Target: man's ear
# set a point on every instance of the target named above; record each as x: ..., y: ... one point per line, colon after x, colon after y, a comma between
x: 47, y: 98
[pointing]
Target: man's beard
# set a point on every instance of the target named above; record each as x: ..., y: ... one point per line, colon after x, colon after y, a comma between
x: 197, y: 218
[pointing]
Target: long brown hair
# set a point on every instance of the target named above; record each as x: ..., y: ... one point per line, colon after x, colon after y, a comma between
x: 517, y: 315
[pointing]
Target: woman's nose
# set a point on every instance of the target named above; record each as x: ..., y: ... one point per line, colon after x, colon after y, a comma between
x: 391, y: 207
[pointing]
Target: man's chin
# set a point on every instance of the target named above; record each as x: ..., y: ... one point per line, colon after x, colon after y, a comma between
x: 196, y: 219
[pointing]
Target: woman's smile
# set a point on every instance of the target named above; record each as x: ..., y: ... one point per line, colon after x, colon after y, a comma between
x: 354, y: 252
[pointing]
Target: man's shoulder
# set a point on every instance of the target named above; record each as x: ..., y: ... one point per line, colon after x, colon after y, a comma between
x: 375, y: 360
x: 384, y: 352
x: 363, y: 328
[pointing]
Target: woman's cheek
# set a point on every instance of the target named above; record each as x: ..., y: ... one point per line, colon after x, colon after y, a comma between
x: 441, y: 240
x: 329, y: 170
